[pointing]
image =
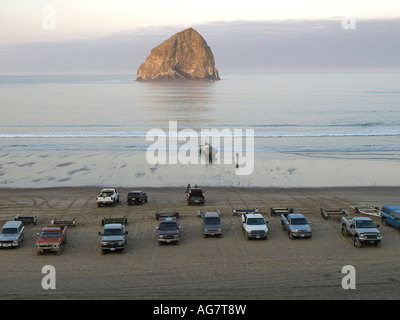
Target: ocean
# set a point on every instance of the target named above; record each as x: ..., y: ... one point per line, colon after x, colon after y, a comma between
x: 307, y: 112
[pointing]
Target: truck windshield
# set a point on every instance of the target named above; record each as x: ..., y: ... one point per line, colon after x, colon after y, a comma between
x: 50, y: 233
x: 365, y: 224
x: 168, y: 226
x: 112, y: 232
x: 137, y: 195
x: 9, y: 231
x: 196, y: 192
x: 212, y: 221
x: 255, y: 221
x: 298, y: 221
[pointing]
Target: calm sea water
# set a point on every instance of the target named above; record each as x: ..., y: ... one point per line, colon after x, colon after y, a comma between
x: 289, y: 112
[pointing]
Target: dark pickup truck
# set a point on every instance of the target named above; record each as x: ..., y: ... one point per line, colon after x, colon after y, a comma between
x: 195, y: 196
x: 136, y: 197
x: 113, y: 238
x: 168, y: 231
x: 211, y: 225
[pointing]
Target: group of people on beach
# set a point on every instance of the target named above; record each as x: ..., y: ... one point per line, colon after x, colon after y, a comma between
x: 188, y: 187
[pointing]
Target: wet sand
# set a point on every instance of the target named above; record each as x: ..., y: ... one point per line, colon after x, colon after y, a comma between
x: 229, y: 267
x: 79, y: 168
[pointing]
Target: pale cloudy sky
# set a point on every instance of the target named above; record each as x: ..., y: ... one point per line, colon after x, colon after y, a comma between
x: 116, y: 35
x: 21, y: 20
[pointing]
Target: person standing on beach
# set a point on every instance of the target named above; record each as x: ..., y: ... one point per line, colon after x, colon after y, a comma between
x: 187, y: 188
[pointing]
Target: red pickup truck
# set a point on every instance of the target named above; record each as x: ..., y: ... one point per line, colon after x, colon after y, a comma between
x: 51, y: 239
x: 195, y: 196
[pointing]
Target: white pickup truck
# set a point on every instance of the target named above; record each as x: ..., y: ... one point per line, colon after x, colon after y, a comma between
x: 107, y: 196
x: 253, y: 224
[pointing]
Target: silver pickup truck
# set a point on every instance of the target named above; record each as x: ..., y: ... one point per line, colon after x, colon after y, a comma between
x: 296, y: 225
x: 12, y: 234
x: 363, y: 230
x: 211, y: 225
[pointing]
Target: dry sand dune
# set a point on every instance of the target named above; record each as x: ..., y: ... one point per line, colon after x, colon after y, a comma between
x: 229, y: 267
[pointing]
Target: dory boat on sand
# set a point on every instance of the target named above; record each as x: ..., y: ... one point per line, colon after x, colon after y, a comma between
x: 207, y: 149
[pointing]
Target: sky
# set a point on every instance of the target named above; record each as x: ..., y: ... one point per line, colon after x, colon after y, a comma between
x: 95, y: 36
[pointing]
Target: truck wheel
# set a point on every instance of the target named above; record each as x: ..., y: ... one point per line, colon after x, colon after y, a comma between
x: 384, y: 222
x: 283, y: 227
x: 290, y: 235
x: 344, y: 231
x: 357, y: 242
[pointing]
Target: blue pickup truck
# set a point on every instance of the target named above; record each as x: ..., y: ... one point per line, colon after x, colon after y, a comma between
x: 390, y: 215
x: 296, y: 225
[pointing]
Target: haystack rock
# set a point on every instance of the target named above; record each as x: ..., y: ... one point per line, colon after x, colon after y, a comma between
x: 184, y: 56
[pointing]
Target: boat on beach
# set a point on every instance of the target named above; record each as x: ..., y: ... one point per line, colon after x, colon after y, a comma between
x: 207, y: 149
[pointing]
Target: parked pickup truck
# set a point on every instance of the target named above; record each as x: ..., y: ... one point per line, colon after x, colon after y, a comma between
x: 136, y: 197
x: 195, y: 196
x: 390, y: 215
x: 296, y: 225
x: 12, y: 234
x: 254, y: 226
x: 363, y: 230
x: 211, y: 225
x: 168, y: 230
x: 113, y: 238
x: 51, y: 239
x: 107, y: 196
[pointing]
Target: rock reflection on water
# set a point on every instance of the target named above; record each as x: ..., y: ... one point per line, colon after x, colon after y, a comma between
x: 188, y: 102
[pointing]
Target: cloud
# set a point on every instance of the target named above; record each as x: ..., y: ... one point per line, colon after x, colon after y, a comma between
x: 313, y: 44
x: 237, y: 46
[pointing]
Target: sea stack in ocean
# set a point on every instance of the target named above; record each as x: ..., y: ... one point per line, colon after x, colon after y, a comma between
x: 184, y: 56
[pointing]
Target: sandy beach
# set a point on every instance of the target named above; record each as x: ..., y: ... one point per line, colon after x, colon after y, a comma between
x: 123, y: 168
x: 213, y: 268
